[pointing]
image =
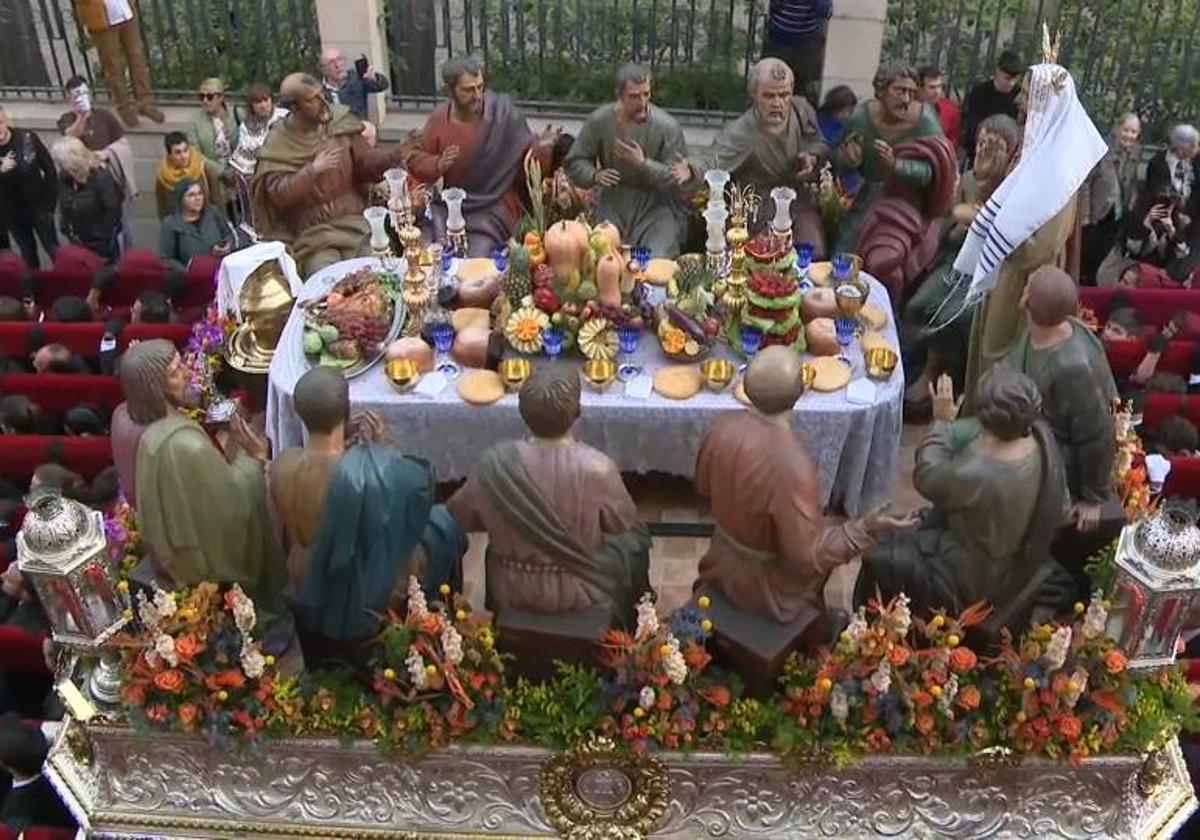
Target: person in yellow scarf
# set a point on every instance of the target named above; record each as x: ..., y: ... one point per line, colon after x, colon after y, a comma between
x: 180, y: 163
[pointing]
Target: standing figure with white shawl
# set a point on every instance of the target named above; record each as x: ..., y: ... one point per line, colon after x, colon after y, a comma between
x: 1026, y: 222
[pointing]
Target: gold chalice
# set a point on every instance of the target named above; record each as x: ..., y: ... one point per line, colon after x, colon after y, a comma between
x: 514, y: 372
x: 403, y: 374
x: 717, y: 373
x: 599, y: 374
x: 880, y: 362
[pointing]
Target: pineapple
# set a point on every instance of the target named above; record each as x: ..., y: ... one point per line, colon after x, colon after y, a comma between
x: 692, y: 284
x: 517, y: 282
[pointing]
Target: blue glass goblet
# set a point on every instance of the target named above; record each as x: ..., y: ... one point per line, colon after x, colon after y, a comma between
x: 552, y: 343
x: 804, y: 255
x: 447, y: 260
x: 841, y: 267
x: 629, y: 336
x: 642, y: 257
x: 846, y: 328
x: 500, y: 259
x: 443, y: 341
x: 752, y: 339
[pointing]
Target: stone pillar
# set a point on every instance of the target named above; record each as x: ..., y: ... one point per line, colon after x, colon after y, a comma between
x: 853, y: 45
x: 356, y: 27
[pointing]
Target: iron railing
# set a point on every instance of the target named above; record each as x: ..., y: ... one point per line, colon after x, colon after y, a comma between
x: 185, y: 41
x: 1124, y: 54
x: 563, y: 53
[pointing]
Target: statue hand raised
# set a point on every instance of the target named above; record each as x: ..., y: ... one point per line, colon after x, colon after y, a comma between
x: 882, y: 520
x: 945, y: 406
x: 248, y: 440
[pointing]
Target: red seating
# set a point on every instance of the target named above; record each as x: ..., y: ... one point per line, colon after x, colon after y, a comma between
x: 1160, y: 406
x: 20, y: 455
x: 51, y: 284
x: 1124, y: 356
x: 1184, y: 478
x: 58, y: 392
x: 82, y: 339
x: 1156, y: 306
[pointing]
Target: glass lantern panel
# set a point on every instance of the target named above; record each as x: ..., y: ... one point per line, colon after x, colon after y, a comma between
x: 1125, y: 612
x: 1162, y: 628
x: 62, y: 607
x: 99, y: 599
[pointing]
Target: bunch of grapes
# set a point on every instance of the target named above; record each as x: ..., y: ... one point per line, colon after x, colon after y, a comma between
x: 367, y: 333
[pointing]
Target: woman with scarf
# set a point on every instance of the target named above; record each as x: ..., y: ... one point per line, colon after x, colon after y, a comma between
x: 195, y: 229
x: 181, y: 163
x: 1026, y: 222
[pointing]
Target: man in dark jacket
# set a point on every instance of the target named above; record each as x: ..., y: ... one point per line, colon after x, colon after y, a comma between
x: 28, y: 191
x: 997, y: 95
x: 30, y: 801
x: 343, y: 87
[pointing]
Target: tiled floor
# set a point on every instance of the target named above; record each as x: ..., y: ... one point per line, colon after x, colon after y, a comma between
x: 673, y: 560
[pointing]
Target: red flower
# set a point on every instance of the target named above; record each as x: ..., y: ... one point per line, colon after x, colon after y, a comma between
x: 170, y: 681
x: 968, y: 697
x: 925, y: 723
x: 898, y: 655
x: 962, y: 659
x: 157, y: 713
x: 718, y: 695
x: 1070, y: 727
x: 134, y: 693
x: 188, y: 713
x: 921, y: 699
x: 1115, y: 661
x: 187, y: 647
x: 230, y: 678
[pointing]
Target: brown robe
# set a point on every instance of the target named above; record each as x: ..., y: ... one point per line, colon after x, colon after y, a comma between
x: 125, y: 436
x: 586, y: 492
x: 773, y: 550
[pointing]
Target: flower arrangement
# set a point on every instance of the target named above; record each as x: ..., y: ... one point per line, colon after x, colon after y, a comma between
x: 1065, y: 692
x: 203, y: 357
x: 832, y: 202
x: 120, y: 530
x: 196, y: 667
x: 1131, y: 479
x: 656, y: 689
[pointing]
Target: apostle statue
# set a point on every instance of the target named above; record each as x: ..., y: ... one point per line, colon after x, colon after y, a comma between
x: 562, y: 529
x: 477, y: 140
x: 773, y: 548
x: 999, y: 496
x: 1068, y: 363
x: 312, y: 171
x: 1026, y: 221
x: 777, y: 143
x: 633, y: 153
x: 358, y: 519
x: 203, y: 518
x: 910, y: 176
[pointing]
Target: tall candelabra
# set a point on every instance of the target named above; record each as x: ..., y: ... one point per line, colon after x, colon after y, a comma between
x: 415, y: 291
x: 744, y: 202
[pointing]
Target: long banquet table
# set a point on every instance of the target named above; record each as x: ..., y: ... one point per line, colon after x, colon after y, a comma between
x: 855, y: 445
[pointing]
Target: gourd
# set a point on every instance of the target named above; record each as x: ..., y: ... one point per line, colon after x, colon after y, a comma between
x: 608, y: 279
x: 609, y: 233
x: 565, y: 243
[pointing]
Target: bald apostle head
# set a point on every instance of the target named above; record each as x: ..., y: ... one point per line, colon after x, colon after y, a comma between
x: 549, y: 401
x: 302, y: 94
x: 1050, y: 297
x: 773, y: 382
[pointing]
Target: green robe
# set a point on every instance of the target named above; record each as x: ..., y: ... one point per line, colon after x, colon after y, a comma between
x: 204, y: 519
x: 916, y: 174
x: 643, y: 205
x: 1077, y: 399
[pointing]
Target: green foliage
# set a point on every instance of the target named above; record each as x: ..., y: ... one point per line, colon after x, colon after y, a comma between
x: 1162, y: 708
x: 1101, y: 569
x: 558, y: 713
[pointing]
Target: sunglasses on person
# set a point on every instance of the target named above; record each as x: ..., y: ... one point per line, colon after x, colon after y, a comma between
x: 208, y: 97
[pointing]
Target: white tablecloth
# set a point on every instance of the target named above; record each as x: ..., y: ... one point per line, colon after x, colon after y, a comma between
x: 854, y: 445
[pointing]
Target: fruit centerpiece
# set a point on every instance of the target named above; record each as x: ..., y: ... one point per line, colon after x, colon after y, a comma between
x: 687, y: 324
x: 773, y: 294
x: 350, y: 326
x: 770, y: 253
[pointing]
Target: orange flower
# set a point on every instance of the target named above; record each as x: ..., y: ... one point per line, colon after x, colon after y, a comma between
x: 962, y: 659
x: 1115, y: 661
x: 134, y: 693
x: 230, y: 678
x: 921, y: 699
x: 898, y: 655
x: 186, y: 648
x: 924, y: 723
x: 968, y: 697
x: 718, y: 695
x: 170, y: 681
x: 1070, y: 727
x: 188, y: 714
x: 664, y: 701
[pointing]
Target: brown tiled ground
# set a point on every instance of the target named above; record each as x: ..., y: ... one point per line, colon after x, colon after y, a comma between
x: 673, y: 560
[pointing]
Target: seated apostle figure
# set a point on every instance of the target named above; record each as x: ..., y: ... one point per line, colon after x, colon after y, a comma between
x: 202, y: 517
x: 357, y: 518
x: 773, y: 548
x: 562, y: 529
x: 998, y: 497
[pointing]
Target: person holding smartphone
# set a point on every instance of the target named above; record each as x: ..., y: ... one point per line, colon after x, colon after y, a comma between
x: 1155, y: 236
x: 196, y: 228
x: 349, y: 86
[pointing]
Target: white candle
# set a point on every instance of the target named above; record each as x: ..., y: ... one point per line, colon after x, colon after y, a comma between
x: 715, y: 217
x: 375, y: 217
x: 454, y: 198
x: 783, y: 198
x: 716, y: 180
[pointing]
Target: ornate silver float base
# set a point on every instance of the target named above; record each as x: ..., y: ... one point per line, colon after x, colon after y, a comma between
x: 125, y: 785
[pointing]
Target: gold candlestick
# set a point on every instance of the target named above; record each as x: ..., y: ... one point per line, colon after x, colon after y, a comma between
x: 415, y: 292
x: 735, y: 287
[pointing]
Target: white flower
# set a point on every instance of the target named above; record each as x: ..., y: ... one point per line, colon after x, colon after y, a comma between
x: 1076, y: 687
x: 647, y: 618
x: 1057, y: 649
x: 243, y: 610
x: 839, y: 704
x: 253, y: 662
x: 1095, y: 620
x: 452, y: 644
x: 857, y: 628
x: 416, y: 599
x: 164, y: 646
x: 881, y: 680
x: 673, y: 664
x: 949, y: 692
x: 646, y: 698
x: 416, y: 669
x: 147, y: 612
x: 164, y: 602
x: 900, y: 617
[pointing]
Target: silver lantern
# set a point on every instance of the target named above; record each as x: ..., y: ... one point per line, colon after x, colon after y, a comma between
x: 63, y: 553
x: 1157, y: 584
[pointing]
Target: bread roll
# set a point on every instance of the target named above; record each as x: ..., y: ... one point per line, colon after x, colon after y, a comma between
x: 471, y: 346
x: 464, y: 319
x: 821, y: 335
x: 414, y: 349
x: 818, y: 303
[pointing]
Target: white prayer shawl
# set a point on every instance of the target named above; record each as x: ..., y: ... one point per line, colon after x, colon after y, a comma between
x: 1061, y: 146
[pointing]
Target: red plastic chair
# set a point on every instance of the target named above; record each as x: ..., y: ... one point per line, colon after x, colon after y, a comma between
x: 20, y: 455
x: 58, y: 392
x: 1124, y: 357
x: 1184, y: 478
x: 1156, y: 306
x: 1160, y: 406
x: 176, y: 333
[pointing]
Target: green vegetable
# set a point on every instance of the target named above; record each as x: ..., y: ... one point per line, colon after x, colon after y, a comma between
x: 312, y: 342
x: 328, y: 333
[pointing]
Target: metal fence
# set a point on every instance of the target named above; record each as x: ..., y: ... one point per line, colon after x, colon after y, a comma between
x: 185, y: 41
x: 563, y: 53
x: 1124, y: 54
